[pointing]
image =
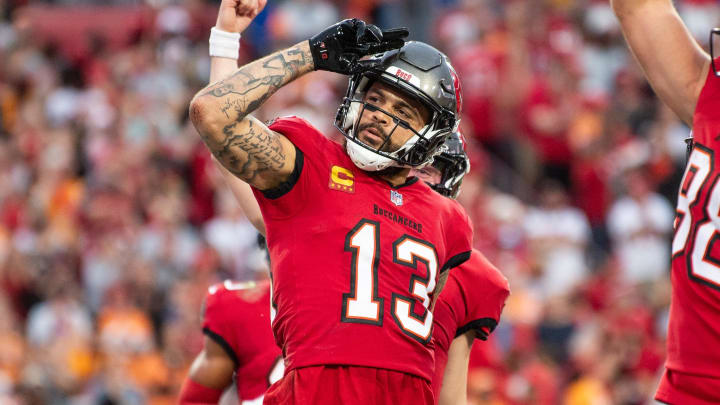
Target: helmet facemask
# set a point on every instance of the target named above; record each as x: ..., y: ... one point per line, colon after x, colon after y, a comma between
x: 453, y: 168
x: 449, y: 167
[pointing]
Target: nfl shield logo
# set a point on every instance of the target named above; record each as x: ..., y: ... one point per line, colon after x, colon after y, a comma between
x: 396, y: 198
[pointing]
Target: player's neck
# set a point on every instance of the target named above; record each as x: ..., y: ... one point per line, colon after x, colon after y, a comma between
x: 395, y: 177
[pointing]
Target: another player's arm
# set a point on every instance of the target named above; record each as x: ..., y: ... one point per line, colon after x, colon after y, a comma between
x: 241, y: 143
x: 454, y: 384
x: 673, y: 62
x: 220, y: 68
x: 244, y: 196
x: 210, y: 374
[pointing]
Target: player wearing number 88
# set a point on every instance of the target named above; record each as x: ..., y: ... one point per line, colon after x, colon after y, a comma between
x: 354, y: 271
x: 685, y: 77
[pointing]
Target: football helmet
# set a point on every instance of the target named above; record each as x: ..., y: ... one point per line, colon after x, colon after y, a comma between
x: 453, y: 164
x: 420, y: 71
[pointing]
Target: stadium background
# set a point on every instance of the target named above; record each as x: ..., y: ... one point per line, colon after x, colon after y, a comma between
x: 113, y: 221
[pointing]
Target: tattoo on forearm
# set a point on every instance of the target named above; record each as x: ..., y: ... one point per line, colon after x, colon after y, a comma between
x: 249, y: 150
x: 244, y: 148
x: 255, y: 82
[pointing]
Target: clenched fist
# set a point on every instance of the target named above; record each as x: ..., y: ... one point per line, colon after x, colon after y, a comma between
x: 236, y: 15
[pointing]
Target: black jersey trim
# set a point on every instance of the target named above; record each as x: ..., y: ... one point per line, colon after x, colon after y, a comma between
x: 224, y: 344
x: 455, y: 261
x: 285, y: 187
x: 478, y: 325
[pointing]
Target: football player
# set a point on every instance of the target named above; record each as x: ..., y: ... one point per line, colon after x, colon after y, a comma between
x: 685, y: 77
x: 238, y: 346
x: 469, y: 306
x: 356, y: 246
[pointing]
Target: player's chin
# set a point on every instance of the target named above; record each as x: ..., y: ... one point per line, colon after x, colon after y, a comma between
x: 370, y: 140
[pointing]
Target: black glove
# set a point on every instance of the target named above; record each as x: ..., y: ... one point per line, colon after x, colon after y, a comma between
x: 339, y: 47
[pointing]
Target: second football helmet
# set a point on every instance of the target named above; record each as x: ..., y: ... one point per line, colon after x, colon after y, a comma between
x: 453, y: 164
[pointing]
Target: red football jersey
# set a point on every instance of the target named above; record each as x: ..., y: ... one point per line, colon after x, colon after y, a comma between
x: 355, y: 260
x: 237, y: 317
x: 694, y: 330
x: 472, y: 299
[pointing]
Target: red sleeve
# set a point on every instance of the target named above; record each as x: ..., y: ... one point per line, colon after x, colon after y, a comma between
x: 483, y: 290
x: 458, y: 233
x: 449, y: 313
x: 311, y: 146
x: 217, y: 322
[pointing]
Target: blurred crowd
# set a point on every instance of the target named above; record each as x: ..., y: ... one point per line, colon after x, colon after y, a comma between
x: 113, y: 221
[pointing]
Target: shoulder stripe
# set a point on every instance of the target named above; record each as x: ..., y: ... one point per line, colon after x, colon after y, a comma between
x: 285, y: 187
x: 224, y: 344
x: 455, y: 261
x: 483, y: 328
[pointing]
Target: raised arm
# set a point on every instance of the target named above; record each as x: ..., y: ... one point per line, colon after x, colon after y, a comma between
x: 673, y: 62
x: 240, y: 142
x: 221, y: 111
x: 229, y: 21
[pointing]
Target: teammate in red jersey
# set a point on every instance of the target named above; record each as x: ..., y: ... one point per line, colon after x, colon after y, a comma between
x: 239, y: 345
x: 356, y: 248
x: 469, y: 306
x: 681, y: 75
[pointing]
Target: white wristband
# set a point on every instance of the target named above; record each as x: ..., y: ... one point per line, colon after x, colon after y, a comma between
x: 224, y: 44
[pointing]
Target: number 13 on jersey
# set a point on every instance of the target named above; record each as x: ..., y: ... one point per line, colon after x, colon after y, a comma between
x: 704, y: 226
x: 363, y: 304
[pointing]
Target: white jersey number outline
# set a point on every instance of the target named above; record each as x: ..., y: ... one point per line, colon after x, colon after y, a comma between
x: 701, y: 266
x: 363, y: 304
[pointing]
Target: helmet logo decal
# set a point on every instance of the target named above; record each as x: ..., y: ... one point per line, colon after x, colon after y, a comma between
x: 404, y: 75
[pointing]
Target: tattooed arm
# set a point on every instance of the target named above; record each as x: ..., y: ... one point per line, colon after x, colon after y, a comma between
x: 240, y: 142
